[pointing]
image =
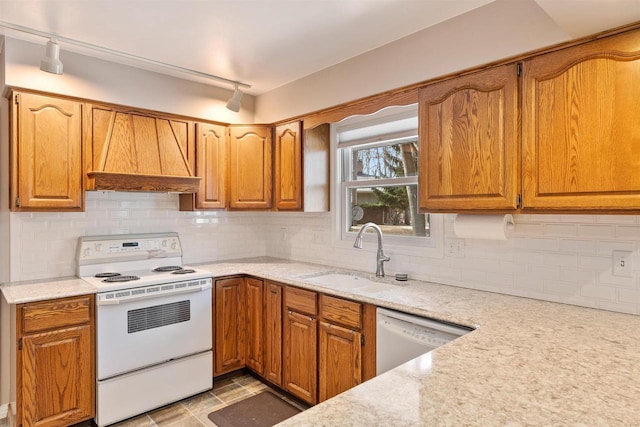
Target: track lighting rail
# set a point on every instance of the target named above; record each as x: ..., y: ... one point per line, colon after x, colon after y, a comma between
x: 15, y: 27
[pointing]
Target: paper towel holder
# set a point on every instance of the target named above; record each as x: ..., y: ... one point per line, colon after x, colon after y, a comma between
x: 483, y: 227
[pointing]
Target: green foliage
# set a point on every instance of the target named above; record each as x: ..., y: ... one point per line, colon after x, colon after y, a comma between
x: 393, y: 197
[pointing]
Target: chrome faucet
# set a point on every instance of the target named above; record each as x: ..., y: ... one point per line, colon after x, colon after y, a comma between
x: 380, y: 257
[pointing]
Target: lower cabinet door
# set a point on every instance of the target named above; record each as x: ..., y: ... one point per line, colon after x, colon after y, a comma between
x: 230, y: 325
x: 255, y: 325
x: 340, y: 364
x: 273, y: 333
x: 57, y: 377
x: 300, y: 356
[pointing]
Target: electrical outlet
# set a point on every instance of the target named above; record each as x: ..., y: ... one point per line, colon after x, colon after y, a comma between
x: 622, y: 263
x: 454, y: 248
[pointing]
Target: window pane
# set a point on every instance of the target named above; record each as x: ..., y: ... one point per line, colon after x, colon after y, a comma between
x: 386, y: 161
x: 393, y: 208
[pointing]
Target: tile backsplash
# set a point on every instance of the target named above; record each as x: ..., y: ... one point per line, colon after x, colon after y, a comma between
x: 44, y: 244
x: 564, y: 258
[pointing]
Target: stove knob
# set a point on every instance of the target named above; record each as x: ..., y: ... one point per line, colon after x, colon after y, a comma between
x: 98, y: 247
x: 174, y: 245
x: 164, y: 243
x: 88, y: 252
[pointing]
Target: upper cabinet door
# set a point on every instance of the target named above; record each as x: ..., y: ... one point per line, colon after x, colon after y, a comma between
x: 581, y: 133
x: 469, y: 142
x: 250, y: 171
x: 46, y: 154
x: 288, y: 162
x: 211, y: 161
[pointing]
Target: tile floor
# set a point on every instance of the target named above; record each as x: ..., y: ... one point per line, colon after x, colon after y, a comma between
x: 192, y: 412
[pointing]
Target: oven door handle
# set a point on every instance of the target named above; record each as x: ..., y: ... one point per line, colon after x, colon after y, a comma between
x: 125, y: 300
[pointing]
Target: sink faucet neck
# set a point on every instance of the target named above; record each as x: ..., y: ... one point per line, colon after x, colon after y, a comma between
x: 380, y: 256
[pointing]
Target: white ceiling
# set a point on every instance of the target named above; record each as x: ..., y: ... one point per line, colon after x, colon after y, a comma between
x: 269, y: 43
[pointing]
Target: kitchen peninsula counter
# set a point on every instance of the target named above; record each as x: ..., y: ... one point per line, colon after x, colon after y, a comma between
x: 528, y: 362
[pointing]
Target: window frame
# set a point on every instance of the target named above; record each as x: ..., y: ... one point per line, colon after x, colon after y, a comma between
x: 431, y: 246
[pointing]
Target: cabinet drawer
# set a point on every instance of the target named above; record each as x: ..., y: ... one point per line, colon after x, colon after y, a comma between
x: 301, y: 300
x: 57, y: 313
x: 343, y: 312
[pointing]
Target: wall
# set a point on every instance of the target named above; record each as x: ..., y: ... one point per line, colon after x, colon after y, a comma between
x: 101, y: 80
x: 498, y: 30
x: 44, y: 244
x: 562, y: 258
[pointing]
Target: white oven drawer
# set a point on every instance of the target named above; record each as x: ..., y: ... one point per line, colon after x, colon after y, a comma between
x: 141, y: 391
x: 138, y: 333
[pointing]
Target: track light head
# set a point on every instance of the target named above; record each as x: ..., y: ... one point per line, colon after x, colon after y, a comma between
x: 234, y: 102
x: 51, y: 62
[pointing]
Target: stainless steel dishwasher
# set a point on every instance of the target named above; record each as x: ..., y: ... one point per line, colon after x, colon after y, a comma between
x: 401, y: 337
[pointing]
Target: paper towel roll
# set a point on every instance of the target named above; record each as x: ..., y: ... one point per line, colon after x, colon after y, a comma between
x: 488, y: 227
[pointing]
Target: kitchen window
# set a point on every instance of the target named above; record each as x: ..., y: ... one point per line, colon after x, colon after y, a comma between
x: 378, y: 172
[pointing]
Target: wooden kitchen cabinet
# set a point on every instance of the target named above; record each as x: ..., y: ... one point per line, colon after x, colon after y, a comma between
x: 300, y: 344
x: 211, y: 166
x: 340, y: 360
x: 288, y: 166
x: 346, y: 345
x: 46, y: 153
x: 313, y: 345
x: 250, y: 167
x: 273, y: 333
x: 300, y: 358
x: 469, y: 142
x: 255, y: 325
x: 55, y: 372
x: 230, y: 325
x: 581, y: 129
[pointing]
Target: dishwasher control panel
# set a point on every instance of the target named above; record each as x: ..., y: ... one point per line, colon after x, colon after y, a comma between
x: 401, y: 337
x: 428, y: 336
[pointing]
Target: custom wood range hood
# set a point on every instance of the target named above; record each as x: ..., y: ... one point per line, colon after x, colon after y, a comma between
x: 138, y: 151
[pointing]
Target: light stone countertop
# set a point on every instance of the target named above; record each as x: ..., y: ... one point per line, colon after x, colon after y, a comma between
x: 529, y: 362
x: 40, y: 290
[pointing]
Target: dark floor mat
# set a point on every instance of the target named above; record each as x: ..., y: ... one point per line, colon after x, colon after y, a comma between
x: 262, y: 410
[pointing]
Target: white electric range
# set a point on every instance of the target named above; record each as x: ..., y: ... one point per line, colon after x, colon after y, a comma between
x: 153, y: 323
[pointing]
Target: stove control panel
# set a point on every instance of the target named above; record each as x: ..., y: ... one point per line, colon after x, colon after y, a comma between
x: 154, y: 291
x: 99, y: 249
